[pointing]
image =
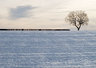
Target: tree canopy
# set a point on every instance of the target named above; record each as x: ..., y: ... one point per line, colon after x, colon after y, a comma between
x: 77, y: 18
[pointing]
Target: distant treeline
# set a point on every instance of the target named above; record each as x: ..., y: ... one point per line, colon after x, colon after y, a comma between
x: 34, y: 29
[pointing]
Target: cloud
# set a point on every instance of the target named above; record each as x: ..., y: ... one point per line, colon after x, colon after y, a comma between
x: 0, y: 17
x: 20, y: 12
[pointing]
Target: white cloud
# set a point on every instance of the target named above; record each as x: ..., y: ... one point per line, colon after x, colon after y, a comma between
x: 48, y: 11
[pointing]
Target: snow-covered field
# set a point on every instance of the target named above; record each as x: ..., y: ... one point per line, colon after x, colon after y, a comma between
x: 47, y: 49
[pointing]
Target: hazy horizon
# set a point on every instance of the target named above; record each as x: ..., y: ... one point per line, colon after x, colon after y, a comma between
x: 47, y: 14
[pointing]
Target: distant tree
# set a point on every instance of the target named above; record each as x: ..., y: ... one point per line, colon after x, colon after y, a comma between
x: 77, y: 18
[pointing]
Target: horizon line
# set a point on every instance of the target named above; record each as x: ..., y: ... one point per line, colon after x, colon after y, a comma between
x: 34, y: 29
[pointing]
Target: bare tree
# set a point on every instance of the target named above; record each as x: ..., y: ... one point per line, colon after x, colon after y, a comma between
x: 77, y: 18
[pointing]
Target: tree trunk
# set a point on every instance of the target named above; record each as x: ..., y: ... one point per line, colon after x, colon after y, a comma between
x: 78, y: 27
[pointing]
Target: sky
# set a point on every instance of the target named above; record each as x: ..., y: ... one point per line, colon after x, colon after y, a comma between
x: 37, y: 14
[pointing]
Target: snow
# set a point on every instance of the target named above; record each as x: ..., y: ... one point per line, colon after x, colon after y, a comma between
x: 47, y: 49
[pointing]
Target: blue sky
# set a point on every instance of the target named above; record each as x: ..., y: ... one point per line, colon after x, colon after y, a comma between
x: 44, y: 13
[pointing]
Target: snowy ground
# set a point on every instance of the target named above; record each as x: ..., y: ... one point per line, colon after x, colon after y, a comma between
x: 48, y: 49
